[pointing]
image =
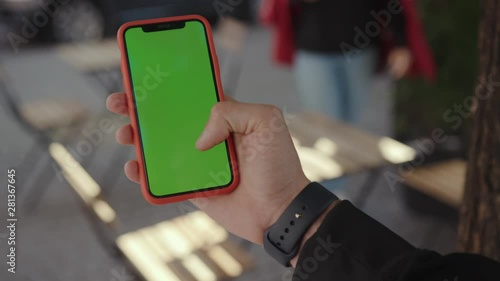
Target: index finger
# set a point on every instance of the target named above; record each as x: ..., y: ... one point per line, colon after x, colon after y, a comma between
x: 117, y: 103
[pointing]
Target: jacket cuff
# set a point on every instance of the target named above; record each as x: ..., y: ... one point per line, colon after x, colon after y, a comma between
x: 350, y: 245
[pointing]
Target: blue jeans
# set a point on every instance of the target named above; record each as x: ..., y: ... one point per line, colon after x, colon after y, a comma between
x: 331, y: 84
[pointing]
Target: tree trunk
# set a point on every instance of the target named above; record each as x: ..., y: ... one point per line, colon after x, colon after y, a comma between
x: 479, y: 230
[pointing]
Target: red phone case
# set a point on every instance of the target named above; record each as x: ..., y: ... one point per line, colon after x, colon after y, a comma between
x: 133, y: 118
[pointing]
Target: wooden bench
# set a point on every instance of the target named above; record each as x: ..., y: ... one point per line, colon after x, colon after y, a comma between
x: 189, y: 247
x: 443, y: 181
x: 192, y: 247
x: 87, y: 189
x: 329, y: 149
x: 91, y: 56
x: 53, y: 114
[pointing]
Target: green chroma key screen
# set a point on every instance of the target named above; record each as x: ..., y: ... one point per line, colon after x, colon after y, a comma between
x: 174, y: 90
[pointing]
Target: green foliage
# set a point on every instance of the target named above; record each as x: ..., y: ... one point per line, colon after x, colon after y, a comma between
x: 451, y: 28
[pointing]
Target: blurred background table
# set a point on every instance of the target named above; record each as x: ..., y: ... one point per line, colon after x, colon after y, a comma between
x: 329, y: 149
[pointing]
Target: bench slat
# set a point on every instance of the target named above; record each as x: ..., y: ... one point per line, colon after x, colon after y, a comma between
x: 352, y: 149
x: 443, y: 181
x: 164, y: 251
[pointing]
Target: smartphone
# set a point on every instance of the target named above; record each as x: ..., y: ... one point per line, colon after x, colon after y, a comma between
x: 171, y: 77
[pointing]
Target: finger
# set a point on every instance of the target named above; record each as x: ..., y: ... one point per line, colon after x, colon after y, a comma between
x: 234, y: 117
x: 132, y: 171
x: 125, y: 135
x: 117, y: 103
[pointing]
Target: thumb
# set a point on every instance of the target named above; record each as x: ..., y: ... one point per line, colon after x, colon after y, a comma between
x: 231, y: 117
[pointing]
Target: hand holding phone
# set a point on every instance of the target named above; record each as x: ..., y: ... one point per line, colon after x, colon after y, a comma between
x: 271, y: 174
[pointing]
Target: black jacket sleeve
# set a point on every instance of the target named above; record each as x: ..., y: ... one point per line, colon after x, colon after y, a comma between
x: 351, y: 246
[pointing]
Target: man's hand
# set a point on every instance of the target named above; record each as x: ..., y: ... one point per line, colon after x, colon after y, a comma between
x: 399, y: 61
x: 270, y: 172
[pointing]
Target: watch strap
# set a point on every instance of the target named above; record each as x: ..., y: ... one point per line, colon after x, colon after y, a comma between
x: 282, y: 240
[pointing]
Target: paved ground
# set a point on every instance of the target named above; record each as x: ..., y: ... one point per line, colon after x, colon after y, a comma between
x: 55, y: 241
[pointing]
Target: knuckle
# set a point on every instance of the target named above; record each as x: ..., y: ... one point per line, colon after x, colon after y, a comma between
x: 220, y: 109
x: 276, y: 110
x: 216, y: 109
x: 272, y: 111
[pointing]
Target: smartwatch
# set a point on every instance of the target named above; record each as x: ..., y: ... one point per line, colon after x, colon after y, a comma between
x: 282, y: 240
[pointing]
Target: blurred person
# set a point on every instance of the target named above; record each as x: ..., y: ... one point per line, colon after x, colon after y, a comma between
x: 336, y: 241
x: 337, y: 46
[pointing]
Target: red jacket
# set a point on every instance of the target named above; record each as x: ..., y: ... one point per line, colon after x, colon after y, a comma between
x: 279, y: 15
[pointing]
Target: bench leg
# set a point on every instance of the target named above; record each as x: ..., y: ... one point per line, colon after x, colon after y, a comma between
x: 37, y: 156
x: 40, y: 186
x: 105, y: 235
